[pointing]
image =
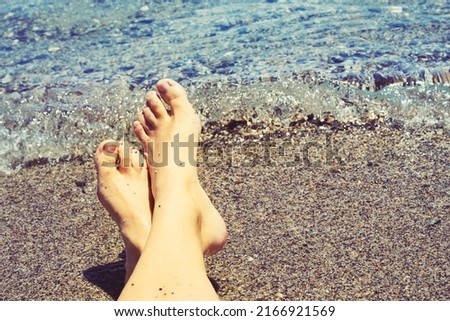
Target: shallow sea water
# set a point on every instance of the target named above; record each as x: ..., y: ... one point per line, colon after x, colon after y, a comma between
x: 75, y: 72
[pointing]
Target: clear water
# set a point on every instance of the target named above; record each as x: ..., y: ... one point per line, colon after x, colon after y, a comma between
x: 75, y: 72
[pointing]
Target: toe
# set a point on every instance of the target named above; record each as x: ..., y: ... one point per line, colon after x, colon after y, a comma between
x: 129, y: 158
x: 124, y: 156
x: 143, y: 122
x: 149, y: 119
x: 106, y: 156
x: 156, y: 106
x: 136, y: 158
x: 173, y: 94
x: 141, y: 133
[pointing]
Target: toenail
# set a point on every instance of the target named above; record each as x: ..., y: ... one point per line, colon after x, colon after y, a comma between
x: 111, y: 148
x: 163, y: 88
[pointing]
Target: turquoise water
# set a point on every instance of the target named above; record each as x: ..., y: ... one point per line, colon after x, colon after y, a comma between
x: 75, y: 72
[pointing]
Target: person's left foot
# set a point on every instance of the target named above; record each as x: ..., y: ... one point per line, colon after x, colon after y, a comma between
x: 123, y: 189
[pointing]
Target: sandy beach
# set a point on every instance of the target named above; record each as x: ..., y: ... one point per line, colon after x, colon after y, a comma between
x: 356, y: 214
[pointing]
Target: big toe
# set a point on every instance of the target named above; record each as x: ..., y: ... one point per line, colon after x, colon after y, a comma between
x: 106, y: 156
x: 173, y: 94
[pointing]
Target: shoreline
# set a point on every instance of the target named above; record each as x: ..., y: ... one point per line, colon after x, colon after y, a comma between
x: 367, y: 223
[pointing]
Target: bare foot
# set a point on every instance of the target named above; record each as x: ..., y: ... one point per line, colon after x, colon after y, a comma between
x: 123, y: 189
x: 170, y: 138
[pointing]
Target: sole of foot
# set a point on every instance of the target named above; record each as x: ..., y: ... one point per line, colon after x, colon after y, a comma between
x: 123, y: 189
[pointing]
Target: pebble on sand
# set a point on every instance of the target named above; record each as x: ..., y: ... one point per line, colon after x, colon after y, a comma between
x: 7, y: 79
x: 395, y: 9
x: 145, y: 8
x: 354, y: 254
x: 433, y: 221
x: 53, y: 49
x: 279, y: 295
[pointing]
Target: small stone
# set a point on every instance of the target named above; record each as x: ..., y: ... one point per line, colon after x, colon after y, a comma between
x: 395, y: 9
x: 145, y: 8
x: 433, y: 221
x: 354, y: 254
x: 53, y: 49
x: 371, y: 115
x: 250, y: 259
x: 328, y: 120
x: 81, y: 183
x: 7, y: 79
x: 335, y: 170
x: 279, y: 295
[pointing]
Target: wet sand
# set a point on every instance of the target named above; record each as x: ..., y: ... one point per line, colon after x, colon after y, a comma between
x: 370, y: 221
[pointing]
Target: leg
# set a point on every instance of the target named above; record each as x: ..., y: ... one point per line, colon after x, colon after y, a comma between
x: 185, y: 224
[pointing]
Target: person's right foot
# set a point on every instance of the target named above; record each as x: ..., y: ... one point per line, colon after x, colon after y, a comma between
x: 170, y: 139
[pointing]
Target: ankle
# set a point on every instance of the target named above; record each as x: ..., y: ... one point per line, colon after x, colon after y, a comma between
x: 166, y: 182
